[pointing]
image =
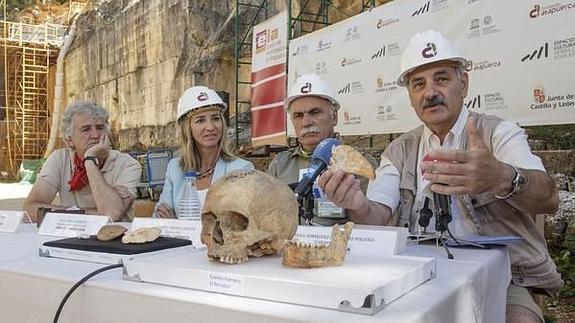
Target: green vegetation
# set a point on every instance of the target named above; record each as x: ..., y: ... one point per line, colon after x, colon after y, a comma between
x: 559, y: 137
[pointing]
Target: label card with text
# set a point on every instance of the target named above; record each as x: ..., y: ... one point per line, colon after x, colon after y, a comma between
x: 173, y: 228
x: 71, y: 225
x: 10, y: 220
x: 364, y: 240
x: 226, y: 283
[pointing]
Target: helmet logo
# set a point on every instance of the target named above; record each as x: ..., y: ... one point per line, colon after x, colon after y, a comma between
x: 203, y: 96
x: 429, y: 51
x: 306, y: 88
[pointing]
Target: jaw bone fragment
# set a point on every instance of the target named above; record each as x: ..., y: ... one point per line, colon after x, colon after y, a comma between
x: 304, y: 255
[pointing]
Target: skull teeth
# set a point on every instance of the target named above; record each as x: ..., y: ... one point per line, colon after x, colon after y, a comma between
x: 308, y: 245
x: 233, y: 260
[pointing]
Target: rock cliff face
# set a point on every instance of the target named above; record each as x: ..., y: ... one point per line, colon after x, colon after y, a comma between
x: 137, y: 57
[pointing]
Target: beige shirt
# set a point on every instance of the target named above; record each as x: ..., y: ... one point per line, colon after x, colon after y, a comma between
x: 119, y: 169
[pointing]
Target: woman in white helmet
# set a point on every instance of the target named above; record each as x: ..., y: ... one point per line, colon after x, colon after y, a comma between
x: 204, y: 148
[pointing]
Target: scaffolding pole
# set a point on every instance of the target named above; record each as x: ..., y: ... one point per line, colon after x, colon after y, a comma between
x: 28, y: 52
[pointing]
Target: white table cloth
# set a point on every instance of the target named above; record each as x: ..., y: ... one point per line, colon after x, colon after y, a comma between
x: 471, y: 288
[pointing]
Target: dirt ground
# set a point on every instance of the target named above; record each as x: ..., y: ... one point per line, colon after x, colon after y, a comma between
x: 562, y: 312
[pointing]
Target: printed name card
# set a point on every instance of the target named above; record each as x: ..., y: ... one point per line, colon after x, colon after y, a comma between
x: 173, y: 228
x: 10, y: 220
x: 71, y: 225
x: 364, y: 240
x: 226, y: 283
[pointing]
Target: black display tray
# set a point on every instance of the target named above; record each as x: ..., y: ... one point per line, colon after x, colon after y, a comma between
x: 116, y: 246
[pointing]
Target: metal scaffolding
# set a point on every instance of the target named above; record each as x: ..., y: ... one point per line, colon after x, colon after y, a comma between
x: 304, y: 16
x: 27, y: 53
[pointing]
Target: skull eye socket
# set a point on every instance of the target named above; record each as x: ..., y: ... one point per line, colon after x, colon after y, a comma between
x: 234, y: 222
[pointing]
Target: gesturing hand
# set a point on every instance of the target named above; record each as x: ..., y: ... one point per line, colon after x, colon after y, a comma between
x: 471, y: 171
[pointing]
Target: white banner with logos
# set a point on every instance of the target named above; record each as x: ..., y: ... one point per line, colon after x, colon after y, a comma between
x: 522, y: 56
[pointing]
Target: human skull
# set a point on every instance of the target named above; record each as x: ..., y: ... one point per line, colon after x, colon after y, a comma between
x: 247, y: 213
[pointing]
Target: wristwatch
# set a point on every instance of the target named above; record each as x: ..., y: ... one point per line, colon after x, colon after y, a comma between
x: 517, y: 184
x: 94, y: 159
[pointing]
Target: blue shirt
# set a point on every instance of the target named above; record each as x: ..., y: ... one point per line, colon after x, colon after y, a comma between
x: 175, y: 179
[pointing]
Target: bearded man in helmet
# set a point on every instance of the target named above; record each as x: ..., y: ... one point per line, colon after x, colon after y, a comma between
x: 496, y: 185
x: 88, y: 174
x: 313, y: 111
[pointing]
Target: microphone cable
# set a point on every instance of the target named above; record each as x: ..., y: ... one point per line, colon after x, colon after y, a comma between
x: 78, y: 284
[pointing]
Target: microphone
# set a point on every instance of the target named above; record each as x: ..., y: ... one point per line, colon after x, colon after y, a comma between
x: 442, y: 205
x: 319, y: 161
x: 425, y: 214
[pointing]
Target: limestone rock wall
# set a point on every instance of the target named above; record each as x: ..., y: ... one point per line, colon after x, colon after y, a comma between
x: 137, y: 58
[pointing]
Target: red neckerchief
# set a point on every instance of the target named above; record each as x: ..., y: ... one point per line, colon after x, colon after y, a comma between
x: 79, y: 176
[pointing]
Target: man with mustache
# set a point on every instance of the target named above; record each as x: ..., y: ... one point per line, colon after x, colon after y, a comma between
x: 313, y: 110
x: 87, y: 174
x: 483, y: 163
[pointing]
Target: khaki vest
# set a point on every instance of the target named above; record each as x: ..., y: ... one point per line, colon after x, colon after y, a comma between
x: 531, y: 264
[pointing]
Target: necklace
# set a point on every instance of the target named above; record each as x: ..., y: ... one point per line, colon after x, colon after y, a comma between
x: 207, y: 172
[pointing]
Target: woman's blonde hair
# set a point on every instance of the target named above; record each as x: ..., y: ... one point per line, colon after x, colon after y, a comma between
x: 191, y: 159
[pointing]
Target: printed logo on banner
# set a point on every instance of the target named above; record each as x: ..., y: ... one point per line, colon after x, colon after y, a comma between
x: 545, y: 101
x: 389, y: 50
x: 482, y: 65
x: 430, y: 6
x: 382, y: 86
x: 493, y: 101
x: 556, y: 8
x: 380, y: 53
x: 481, y: 26
x: 352, y: 33
x: 564, y: 48
x: 384, y: 22
x: 321, y: 68
x: 354, y: 87
x: 347, y: 61
x: 300, y: 50
x: 323, y: 44
x: 385, y: 113
x: 261, y: 41
x: 421, y: 10
x: 474, y: 103
x: 539, y: 95
x: 349, y: 119
x: 541, y: 52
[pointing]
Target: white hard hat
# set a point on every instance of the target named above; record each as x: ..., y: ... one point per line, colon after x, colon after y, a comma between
x: 427, y: 47
x: 310, y: 85
x: 197, y: 97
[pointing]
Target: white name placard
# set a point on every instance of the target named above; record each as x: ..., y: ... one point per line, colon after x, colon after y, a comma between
x: 71, y: 225
x: 173, y: 228
x: 226, y: 283
x: 364, y: 240
x: 10, y: 220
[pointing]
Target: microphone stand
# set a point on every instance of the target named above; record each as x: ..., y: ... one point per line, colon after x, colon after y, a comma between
x: 306, y: 205
x: 443, y: 218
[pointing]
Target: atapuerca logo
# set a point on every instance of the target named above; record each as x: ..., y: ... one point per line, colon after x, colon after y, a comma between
x: 203, y: 96
x: 306, y: 88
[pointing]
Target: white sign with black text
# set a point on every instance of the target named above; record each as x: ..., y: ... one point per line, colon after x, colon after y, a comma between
x: 364, y: 240
x: 10, y: 220
x: 173, y: 228
x: 71, y: 225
